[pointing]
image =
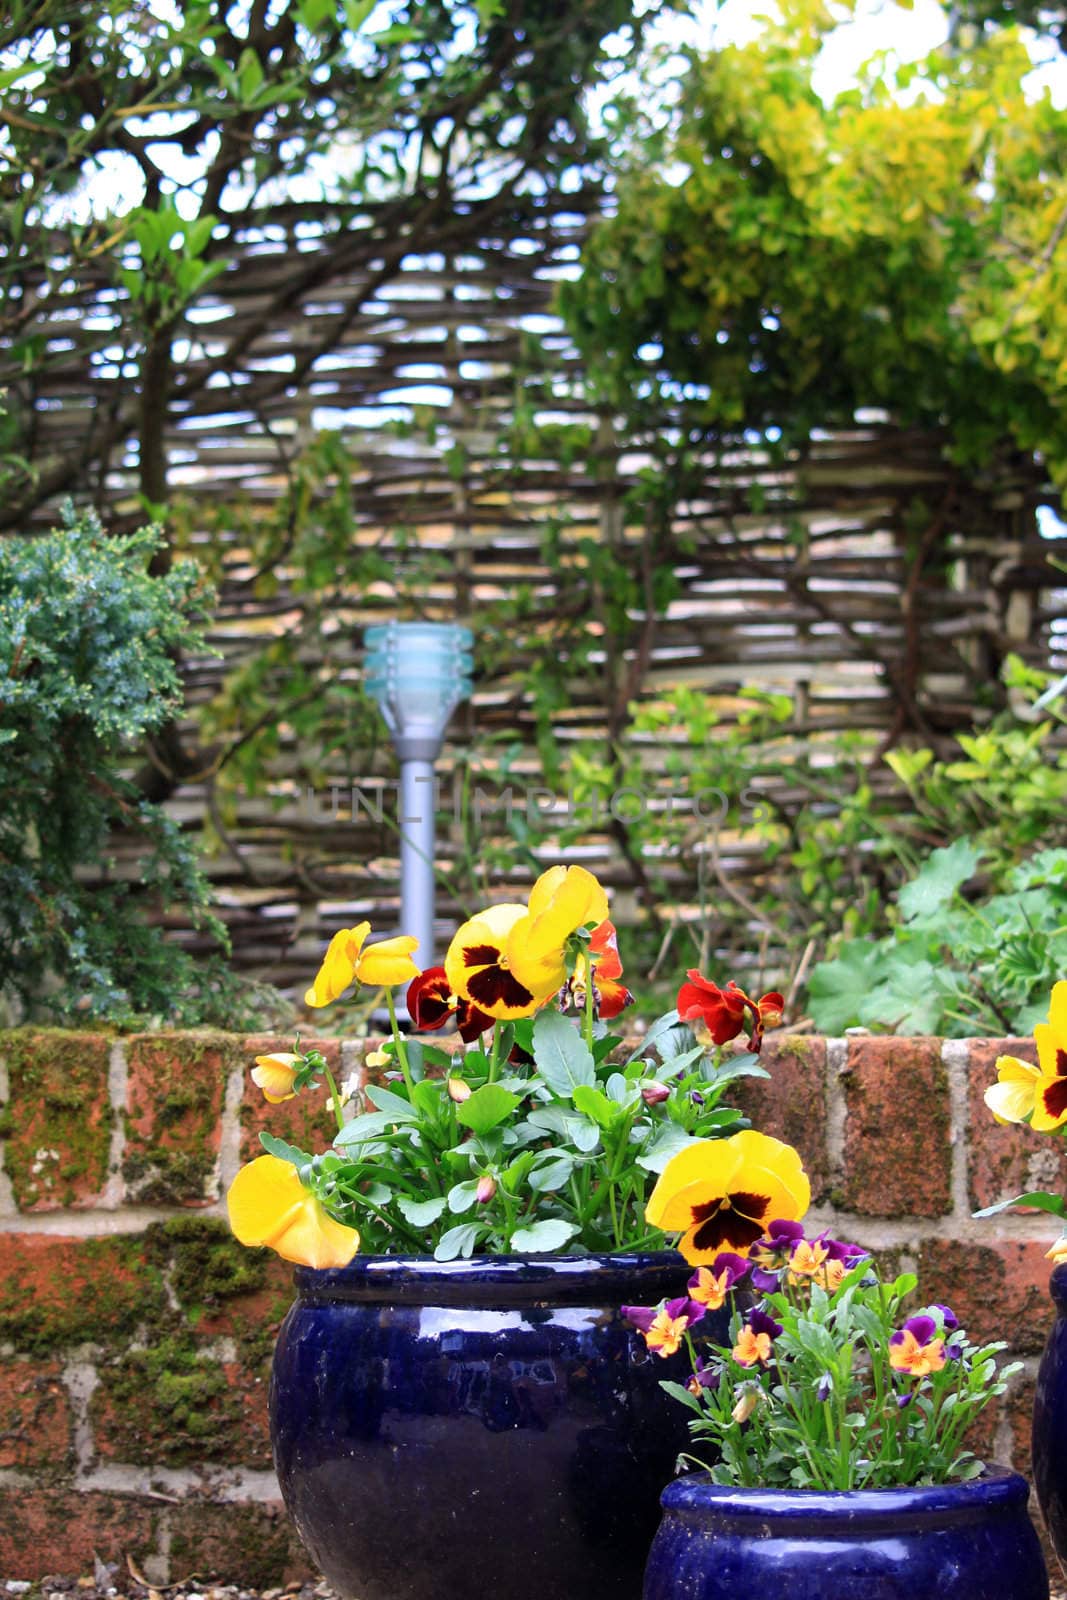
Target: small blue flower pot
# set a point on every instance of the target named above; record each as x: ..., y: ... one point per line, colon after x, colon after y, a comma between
x: 960, y: 1541
x: 449, y: 1430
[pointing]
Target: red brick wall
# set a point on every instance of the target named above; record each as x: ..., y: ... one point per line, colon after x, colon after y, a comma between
x: 135, y: 1336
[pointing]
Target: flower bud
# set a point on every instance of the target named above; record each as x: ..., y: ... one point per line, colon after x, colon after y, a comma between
x: 486, y: 1188
x: 654, y: 1093
x: 746, y: 1405
x: 458, y: 1090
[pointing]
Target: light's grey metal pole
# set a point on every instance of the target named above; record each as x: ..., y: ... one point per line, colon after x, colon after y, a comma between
x: 418, y: 672
x: 417, y: 885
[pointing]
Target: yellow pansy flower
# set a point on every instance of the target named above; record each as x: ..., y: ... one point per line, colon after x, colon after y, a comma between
x: 380, y: 966
x: 268, y: 1205
x: 1011, y: 1098
x: 721, y: 1194
x: 562, y: 900
x: 1036, y: 1094
x: 274, y: 1075
x: 478, y: 966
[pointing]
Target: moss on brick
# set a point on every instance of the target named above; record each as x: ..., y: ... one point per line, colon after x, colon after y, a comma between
x: 170, y: 1404
x: 58, y: 1103
x: 174, y: 1105
x: 246, y: 1544
x: 56, y: 1293
x: 207, y: 1265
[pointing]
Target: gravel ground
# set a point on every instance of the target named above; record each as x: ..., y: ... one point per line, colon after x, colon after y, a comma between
x: 109, y: 1583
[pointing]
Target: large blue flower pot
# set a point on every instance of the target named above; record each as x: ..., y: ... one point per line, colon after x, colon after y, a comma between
x: 960, y: 1541
x: 468, y: 1428
x: 1050, y: 1422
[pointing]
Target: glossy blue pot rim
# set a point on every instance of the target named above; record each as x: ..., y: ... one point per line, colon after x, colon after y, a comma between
x: 640, y: 1278
x: 786, y: 1511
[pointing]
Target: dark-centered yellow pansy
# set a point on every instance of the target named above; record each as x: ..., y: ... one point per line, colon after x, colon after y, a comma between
x: 721, y: 1194
x: 478, y: 965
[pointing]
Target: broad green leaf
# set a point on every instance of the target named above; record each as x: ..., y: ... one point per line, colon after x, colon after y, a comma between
x: 357, y: 12
x: 668, y: 1142
x: 549, y: 1175
x: 370, y: 1126
x: 458, y: 1241
x: 420, y: 1213
x: 909, y: 1001
x: 462, y: 1196
x: 659, y: 1028
x: 1038, y: 1199
x: 288, y: 1152
x: 542, y: 1237
x: 837, y: 989
x: 942, y: 874
x: 400, y: 1109
x: 594, y: 1103
x: 486, y: 1107
x: 575, y: 1129
x: 561, y: 1055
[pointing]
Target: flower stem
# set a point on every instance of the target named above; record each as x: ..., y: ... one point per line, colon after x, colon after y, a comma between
x: 401, y: 1047
x: 335, y: 1097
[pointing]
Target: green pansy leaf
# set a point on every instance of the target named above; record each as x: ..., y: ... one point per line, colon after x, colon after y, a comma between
x: 462, y: 1196
x: 595, y: 1104
x: 287, y: 1152
x: 542, y: 1237
x: 458, y: 1241
x: 400, y: 1109
x: 550, y: 1175
x: 486, y: 1107
x: 370, y: 1126
x: 659, y: 1028
x: 561, y: 1055
x: 669, y: 1141
x: 421, y: 1213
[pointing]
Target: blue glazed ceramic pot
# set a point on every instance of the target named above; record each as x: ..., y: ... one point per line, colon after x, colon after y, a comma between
x: 1050, y: 1422
x: 961, y: 1541
x: 444, y: 1430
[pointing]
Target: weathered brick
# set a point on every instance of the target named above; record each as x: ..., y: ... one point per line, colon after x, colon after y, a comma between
x: 1009, y: 1160
x: 59, y: 1531
x: 174, y: 1102
x: 304, y: 1120
x: 897, y: 1153
x: 253, y: 1545
x: 35, y: 1421
x: 58, y: 1118
x: 998, y: 1291
x: 223, y: 1290
x: 174, y: 1405
x: 1019, y: 1409
x: 57, y: 1291
x: 791, y: 1104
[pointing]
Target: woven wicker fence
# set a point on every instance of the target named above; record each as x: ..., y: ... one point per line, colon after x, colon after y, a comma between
x: 864, y: 575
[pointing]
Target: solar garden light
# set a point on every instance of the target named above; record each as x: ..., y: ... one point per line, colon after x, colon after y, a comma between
x: 418, y: 672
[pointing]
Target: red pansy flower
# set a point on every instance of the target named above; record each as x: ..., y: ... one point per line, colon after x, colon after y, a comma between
x: 728, y: 1012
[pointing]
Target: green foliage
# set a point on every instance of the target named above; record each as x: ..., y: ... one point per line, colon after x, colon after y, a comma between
x: 774, y: 263
x: 87, y: 643
x: 563, y: 1150
x: 955, y: 965
x: 828, y: 1410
